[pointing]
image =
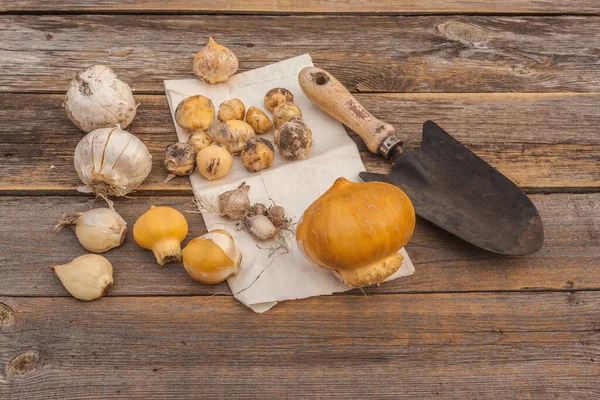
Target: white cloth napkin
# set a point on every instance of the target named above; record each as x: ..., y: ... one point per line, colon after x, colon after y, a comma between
x: 266, y: 279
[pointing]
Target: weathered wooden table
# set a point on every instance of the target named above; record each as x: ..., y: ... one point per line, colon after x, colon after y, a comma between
x: 518, y: 82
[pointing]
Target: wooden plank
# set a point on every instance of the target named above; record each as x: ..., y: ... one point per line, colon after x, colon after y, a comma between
x: 493, y: 345
x: 444, y: 263
x: 391, y: 54
x: 538, y: 140
x: 312, y: 6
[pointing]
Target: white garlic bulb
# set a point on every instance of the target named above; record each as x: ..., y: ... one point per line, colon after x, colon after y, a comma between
x: 97, y: 98
x: 98, y: 230
x: 87, y: 277
x: 112, y: 162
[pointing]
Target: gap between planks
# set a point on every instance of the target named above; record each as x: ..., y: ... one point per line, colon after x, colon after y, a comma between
x: 353, y: 292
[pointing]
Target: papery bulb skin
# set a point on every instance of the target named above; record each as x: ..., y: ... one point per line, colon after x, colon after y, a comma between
x: 112, y: 161
x: 98, y: 230
x: 97, y: 98
x: 161, y: 229
x: 212, y: 257
x: 87, y: 277
x: 357, y: 229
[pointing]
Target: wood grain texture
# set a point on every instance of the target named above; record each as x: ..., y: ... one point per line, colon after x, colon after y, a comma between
x: 394, y: 346
x: 444, y: 263
x: 311, y: 6
x: 387, y: 54
x: 538, y: 140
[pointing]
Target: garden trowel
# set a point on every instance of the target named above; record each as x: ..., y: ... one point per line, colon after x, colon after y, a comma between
x: 448, y: 184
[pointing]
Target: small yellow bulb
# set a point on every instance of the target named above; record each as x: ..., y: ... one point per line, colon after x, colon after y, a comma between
x: 161, y: 229
x: 212, y: 257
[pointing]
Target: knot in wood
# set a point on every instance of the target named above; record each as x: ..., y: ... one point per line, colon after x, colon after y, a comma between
x: 25, y: 363
x: 467, y: 34
x: 6, y: 314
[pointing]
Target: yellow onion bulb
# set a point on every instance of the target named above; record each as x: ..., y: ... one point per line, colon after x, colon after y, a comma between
x: 357, y: 229
x: 161, y: 229
x: 212, y: 257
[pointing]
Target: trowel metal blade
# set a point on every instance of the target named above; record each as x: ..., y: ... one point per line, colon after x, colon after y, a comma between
x: 456, y: 190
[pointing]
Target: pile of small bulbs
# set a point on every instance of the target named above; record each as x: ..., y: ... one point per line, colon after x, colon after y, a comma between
x: 111, y: 161
x: 212, y: 150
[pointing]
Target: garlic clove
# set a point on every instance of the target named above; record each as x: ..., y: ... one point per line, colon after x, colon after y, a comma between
x: 212, y: 257
x: 98, y: 230
x: 87, y: 277
x: 215, y: 63
x: 111, y: 161
x: 234, y: 203
x: 97, y: 98
x: 161, y: 229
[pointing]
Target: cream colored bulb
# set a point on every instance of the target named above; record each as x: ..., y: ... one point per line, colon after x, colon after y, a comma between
x: 98, y: 230
x: 87, y: 277
x: 111, y: 161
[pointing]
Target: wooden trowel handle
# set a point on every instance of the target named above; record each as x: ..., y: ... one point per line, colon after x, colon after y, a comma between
x: 333, y: 98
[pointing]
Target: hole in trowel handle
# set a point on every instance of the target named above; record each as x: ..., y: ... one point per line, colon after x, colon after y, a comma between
x: 320, y: 78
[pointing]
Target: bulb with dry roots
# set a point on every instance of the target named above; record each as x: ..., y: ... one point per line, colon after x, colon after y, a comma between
x: 97, y: 98
x: 215, y: 63
x: 231, y: 109
x: 357, y: 229
x: 258, y: 154
x: 98, y: 230
x: 214, y: 161
x: 285, y: 112
x: 195, y: 113
x: 161, y: 229
x: 180, y: 158
x: 293, y: 139
x: 233, y: 134
x: 276, y: 97
x: 258, y: 120
x: 234, y: 203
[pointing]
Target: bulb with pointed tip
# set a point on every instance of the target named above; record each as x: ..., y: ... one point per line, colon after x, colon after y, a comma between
x: 87, y: 277
x: 215, y: 63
